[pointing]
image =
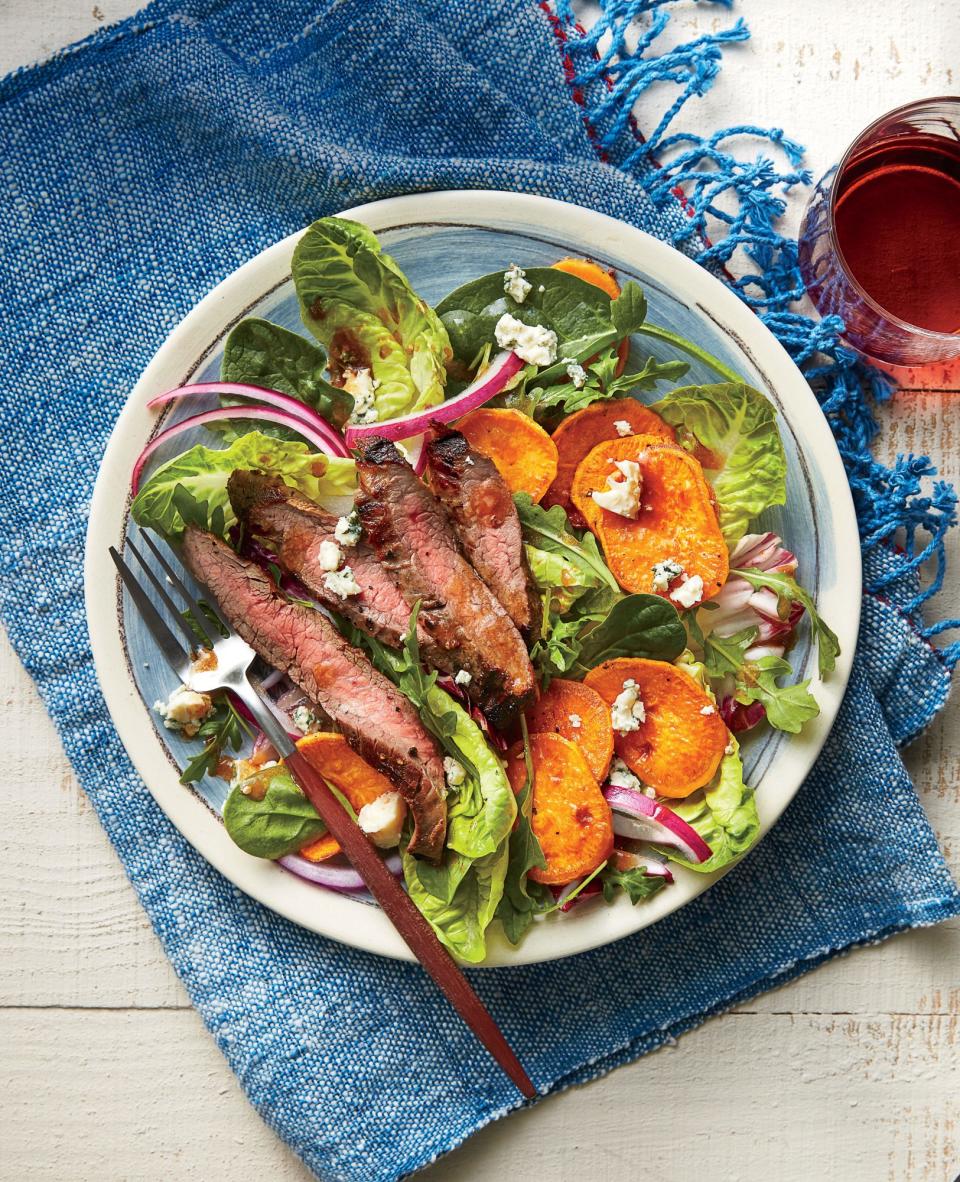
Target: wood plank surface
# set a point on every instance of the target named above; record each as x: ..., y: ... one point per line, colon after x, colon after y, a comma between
x: 850, y: 1074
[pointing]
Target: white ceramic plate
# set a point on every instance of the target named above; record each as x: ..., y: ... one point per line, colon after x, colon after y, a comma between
x: 441, y: 240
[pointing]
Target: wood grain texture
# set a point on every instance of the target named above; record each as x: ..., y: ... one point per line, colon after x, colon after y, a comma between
x: 849, y: 1074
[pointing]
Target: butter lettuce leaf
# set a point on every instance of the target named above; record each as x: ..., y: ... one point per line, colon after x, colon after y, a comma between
x: 358, y: 304
x: 192, y: 487
x: 738, y: 425
x: 724, y: 814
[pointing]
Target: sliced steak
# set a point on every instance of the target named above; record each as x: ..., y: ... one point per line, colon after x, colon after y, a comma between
x: 377, y: 720
x: 483, y: 513
x: 414, y: 539
x: 295, y: 529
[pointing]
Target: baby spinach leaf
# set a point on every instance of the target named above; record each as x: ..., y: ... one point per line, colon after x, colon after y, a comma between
x: 637, y: 626
x: 281, y: 823
x: 569, y: 305
x: 264, y: 354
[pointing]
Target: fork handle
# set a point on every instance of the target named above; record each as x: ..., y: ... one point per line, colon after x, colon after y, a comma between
x: 408, y: 921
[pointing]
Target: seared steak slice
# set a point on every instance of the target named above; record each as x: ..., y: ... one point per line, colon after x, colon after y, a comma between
x: 295, y: 529
x: 414, y: 539
x: 377, y: 720
x: 485, y: 518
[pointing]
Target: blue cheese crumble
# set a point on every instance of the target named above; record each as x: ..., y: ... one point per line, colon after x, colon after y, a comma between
x: 454, y: 771
x: 627, y: 711
x: 329, y: 555
x: 342, y: 583
x: 361, y: 385
x: 575, y: 372
x: 622, y: 496
x: 532, y: 343
x: 665, y: 572
x: 515, y: 283
x: 185, y: 710
x: 348, y: 529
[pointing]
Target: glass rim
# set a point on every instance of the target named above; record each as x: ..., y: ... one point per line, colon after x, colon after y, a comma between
x: 917, y: 330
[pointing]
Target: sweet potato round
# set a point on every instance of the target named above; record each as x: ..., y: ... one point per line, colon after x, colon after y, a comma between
x: 578, y: 435
x: 524, y: 454
x: 341, y: 766
x: 678, y: 747
x: 569, y: 817
x: 677, y: 518
x: 594, y: 735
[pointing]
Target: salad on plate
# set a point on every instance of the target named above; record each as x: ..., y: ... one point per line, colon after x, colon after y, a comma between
x: 518, y: 618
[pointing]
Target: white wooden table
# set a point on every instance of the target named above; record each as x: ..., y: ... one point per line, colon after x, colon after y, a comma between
x: 849, y: 1074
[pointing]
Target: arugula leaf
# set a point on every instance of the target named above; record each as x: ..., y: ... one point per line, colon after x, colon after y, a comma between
x: 788, y: 707
x: 724, y: 814
x: 723, y: 655
x: 601, y: 385
x: 280, y: 823
x: 223, y: 730
x: 522, y: 898
x: 264, y: 354
x: 192, y: 487
x: 636, y: 626
x: 635, y: 883
x: 789, y: 591
x: 738, y: 425
x: 548, y: 529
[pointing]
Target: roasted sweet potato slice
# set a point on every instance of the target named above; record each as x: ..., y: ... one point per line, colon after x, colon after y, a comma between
x: 579, y: 434
x: 679, y: 744
x: 576, y: 713
x: 676, y: 520
x: 342, y: 767
x: 570, y: 817
x: 525, y: 455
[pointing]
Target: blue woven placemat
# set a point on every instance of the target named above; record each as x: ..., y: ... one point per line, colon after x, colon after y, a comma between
x: 143, y: 166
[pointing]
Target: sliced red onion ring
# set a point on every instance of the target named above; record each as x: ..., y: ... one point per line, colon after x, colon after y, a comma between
x: 641, y: 818
x: 257, y: 394
x: 493, y: 379
x: 335, y: 877
x: 323, y: 438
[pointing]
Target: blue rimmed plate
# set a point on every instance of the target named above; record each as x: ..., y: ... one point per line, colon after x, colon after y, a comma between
x: 441, y: 240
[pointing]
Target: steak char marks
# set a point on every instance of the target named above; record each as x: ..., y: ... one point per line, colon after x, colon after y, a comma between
x: 483, y: 513
x: 377, y: 720
x: 414, y: 539
x: 295, y: 528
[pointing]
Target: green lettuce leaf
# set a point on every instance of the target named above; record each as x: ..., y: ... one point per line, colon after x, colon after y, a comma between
x: 192, y: 487
x: 281, y: 823
x: 357, y: 302
x: 739, y: 425
x: 549, y: 530
x: 264, y: 354
x: 724, y: 814
x: 461, y: 921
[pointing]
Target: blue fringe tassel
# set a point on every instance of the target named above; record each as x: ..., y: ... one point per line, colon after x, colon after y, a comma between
x: 900, y: 506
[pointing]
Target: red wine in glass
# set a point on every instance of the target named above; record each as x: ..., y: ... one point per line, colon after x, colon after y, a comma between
x: 880, y: 243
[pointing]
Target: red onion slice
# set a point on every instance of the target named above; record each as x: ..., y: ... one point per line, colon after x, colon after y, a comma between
x: 262, y: 395
x: 320, y: 434
x: 493, y: 379
x: 641, y: 818
x: 334, y: 877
